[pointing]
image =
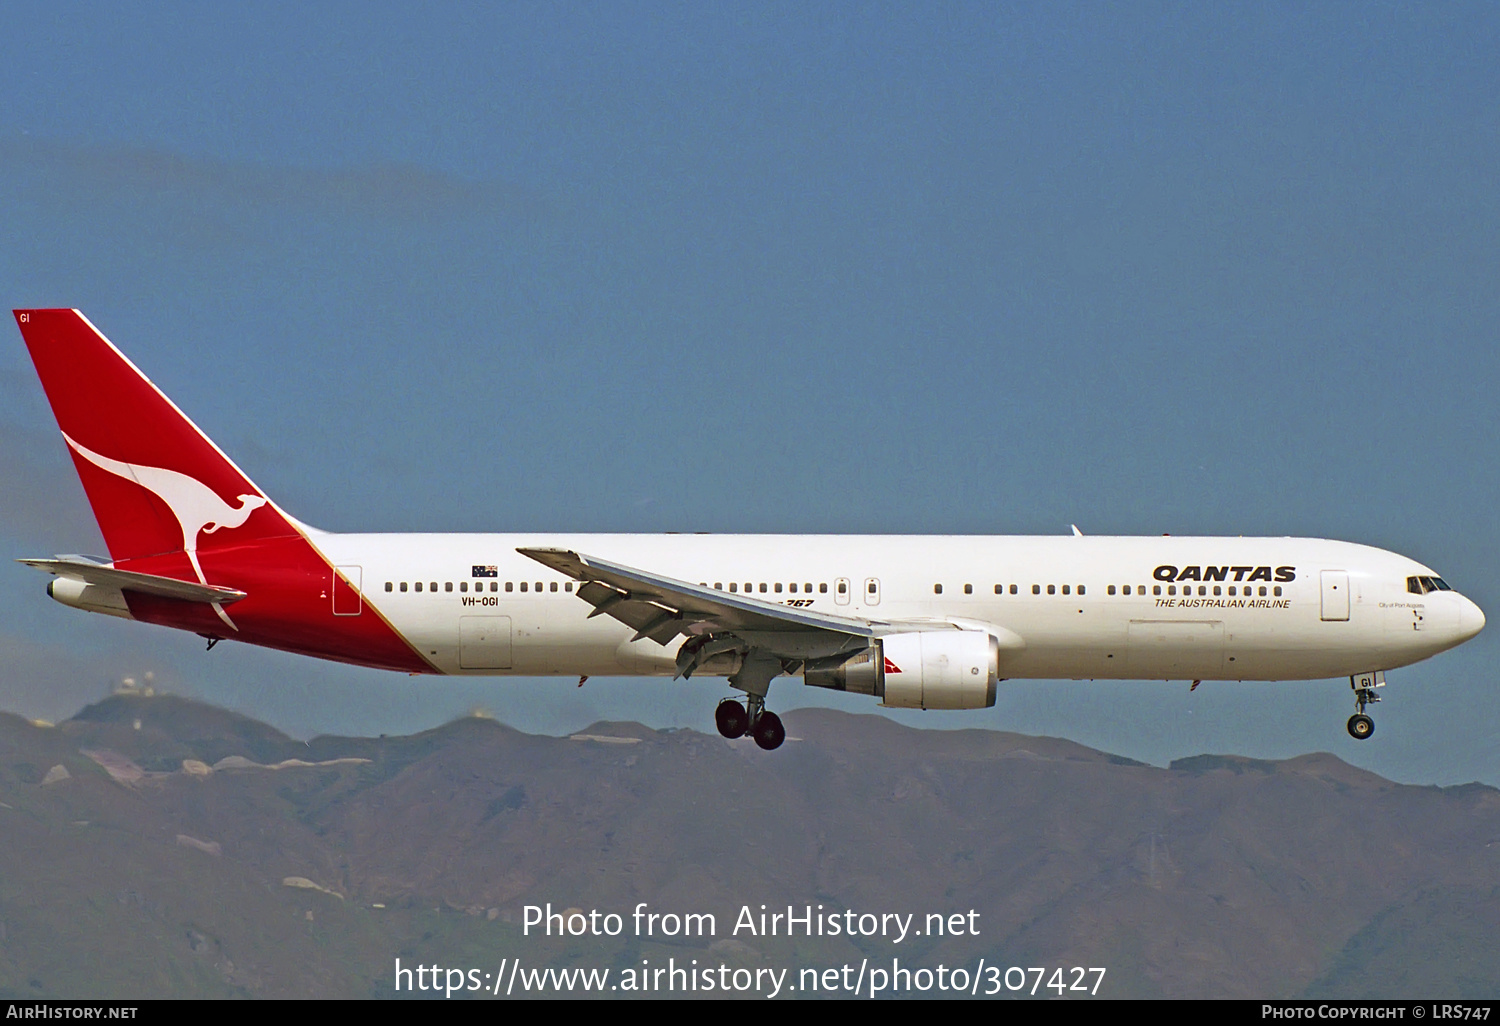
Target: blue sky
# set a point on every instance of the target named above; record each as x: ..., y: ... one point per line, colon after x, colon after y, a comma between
x: 879, y: 268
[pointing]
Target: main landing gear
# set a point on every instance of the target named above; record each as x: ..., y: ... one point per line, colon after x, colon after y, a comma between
x: 734, y: 720
x: 1364, y: 685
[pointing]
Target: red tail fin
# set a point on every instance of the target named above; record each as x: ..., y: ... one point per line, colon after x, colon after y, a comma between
x: 156, y: 482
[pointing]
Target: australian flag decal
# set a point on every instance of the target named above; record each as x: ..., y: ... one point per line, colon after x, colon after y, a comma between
x: 486, y: 571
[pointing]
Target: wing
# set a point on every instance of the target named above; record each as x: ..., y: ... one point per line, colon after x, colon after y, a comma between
x: 660, y: 608
x: 128, y: 580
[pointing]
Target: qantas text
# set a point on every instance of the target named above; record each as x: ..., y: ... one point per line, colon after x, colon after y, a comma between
x: 1168, y: 572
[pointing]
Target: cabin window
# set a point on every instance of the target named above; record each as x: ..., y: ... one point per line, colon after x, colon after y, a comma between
x: 1013, y: 589
x: 718, y: 586
x: 403, y: 585
x: 807, y: 587
x: 871, y: 586
x: 387, y: 585
x: 1080, y: 589
x: 843, y: 587
x: 1065, y: 589
x: 762, y: 587
x: 937, y: 589
x: 792, y: 587
x: 1231, y: 591
x: 823, y: 589
x: 447, y: 585
x: 510, y: 585
x: 733, y: 586
x: 777, y: 588
x: 554, y: 586
x: 568, y: 587
x: 1216, y: 589
x: 749, y: 587
x: 1110, y: 590
x: 968, y: 589
x: 1276, y: 591
x: 432, y: 586
x: 1036, y: 589
x: 523, y: 585
x: 464, y: 586
x: 418, y: 586
x: 1171, y: 589
x: 1051, y: 589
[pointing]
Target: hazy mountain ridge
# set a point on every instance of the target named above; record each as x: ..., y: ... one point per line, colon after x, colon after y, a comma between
x: 1217, y: 876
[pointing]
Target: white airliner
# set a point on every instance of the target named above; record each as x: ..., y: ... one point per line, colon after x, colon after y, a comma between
x: 914, y: 621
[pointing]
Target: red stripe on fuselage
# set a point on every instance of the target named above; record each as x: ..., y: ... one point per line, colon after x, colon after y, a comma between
x: 288, y: 605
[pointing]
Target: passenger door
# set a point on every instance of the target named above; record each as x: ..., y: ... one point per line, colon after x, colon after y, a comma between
x: 841, y: 591
x: 348, y: 581
x: 1335, y: 594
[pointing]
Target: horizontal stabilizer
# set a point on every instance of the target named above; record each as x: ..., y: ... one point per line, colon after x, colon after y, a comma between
x: 107, y: 576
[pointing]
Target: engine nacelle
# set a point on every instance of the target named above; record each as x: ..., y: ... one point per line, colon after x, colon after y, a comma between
x: 921, y: 670
x: 940, y: 669
x: 91, y: 597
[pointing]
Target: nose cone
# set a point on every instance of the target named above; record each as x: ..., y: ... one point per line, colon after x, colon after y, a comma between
x: 1470, y: 620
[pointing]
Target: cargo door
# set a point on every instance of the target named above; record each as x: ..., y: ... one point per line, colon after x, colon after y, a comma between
x: 1335, y: 595
x: 484, y: 642
x: 1175, y: 649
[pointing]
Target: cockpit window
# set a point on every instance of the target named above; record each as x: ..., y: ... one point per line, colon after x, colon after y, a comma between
x: 1422, y: 585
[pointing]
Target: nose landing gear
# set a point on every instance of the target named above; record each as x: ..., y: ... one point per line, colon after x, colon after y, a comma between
x: 734, y: 720
x: 1361, y: 726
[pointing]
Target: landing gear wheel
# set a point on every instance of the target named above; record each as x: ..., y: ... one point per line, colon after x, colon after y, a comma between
x: 731, y: 718
x: 1361, y: 726
x: 768, y: 731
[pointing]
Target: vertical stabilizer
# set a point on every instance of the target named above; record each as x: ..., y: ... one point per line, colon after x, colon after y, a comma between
x: 156, y: 482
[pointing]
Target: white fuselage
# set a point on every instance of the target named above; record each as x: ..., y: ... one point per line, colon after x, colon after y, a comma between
x: 1196, y: 608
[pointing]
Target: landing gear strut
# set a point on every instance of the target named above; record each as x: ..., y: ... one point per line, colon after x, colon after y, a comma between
x: 753, y: 677
x: 1361, y: 726
x: 734, y: 720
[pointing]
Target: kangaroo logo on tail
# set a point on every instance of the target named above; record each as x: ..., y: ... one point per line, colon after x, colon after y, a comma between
x: 196, y: 506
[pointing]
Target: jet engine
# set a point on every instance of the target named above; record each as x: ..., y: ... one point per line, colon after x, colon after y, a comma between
x: 921, y: 670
